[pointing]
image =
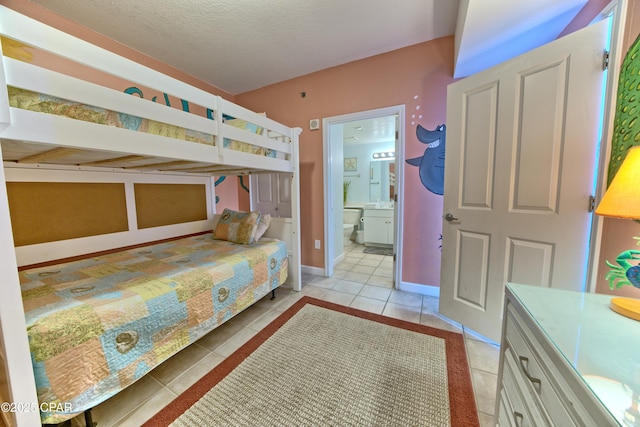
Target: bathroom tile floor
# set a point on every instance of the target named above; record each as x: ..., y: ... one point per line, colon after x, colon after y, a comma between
x: 361, y: 281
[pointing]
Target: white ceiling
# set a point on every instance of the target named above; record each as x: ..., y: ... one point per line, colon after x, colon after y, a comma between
x: 241, y: 45
x: 368, y: 131
x: 491, y: 31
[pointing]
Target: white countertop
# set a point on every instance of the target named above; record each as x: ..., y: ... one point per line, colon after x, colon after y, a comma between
x: 602, y: 346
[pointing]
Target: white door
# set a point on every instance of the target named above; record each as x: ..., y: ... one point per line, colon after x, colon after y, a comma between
x: 271, y: 194
x: 520, y: 168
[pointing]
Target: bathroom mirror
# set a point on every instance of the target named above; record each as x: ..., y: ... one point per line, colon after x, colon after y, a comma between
x: 381, y: 180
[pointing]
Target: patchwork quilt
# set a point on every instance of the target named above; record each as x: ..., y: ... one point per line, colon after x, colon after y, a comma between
x: 97, y: 325
x: 40, y: 103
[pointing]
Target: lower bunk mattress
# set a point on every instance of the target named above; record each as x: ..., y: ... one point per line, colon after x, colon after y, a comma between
x: 97, y: 325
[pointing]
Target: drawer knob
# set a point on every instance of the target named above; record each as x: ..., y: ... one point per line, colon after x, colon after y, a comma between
x: 524, y: 364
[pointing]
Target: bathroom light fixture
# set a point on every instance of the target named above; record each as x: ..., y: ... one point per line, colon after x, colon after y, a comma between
x: 384, y: 155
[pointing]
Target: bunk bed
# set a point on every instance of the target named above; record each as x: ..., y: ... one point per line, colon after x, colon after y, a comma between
x: 115, y: 146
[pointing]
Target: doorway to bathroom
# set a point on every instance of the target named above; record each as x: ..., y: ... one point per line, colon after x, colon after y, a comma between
x: 363, y: 179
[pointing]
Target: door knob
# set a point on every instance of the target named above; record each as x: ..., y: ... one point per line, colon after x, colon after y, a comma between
x: 449, y: 217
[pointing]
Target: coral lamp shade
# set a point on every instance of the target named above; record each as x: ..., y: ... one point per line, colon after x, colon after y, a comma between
x: 622, y: 198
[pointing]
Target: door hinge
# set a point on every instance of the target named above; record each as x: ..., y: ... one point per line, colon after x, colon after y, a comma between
x: 605, y: 60
x: 394, y: 257
x: 592, y: 203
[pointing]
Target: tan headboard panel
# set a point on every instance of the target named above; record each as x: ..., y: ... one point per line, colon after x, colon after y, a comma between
x: 165, y: 204
x: 50, y: 211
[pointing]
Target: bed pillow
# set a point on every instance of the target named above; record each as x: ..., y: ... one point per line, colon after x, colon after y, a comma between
x: 237, y: 227
x: 265, y: 221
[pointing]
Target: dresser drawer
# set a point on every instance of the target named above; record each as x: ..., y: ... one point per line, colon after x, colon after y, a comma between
x: 535, y: 367
x: 504, y: 417
x: 519, y: 409
x: 542, y: 384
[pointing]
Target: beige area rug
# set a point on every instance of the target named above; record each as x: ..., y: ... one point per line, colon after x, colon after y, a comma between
x: 325, y: 364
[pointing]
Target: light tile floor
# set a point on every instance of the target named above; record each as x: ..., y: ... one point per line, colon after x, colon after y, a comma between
x: 361, y: 281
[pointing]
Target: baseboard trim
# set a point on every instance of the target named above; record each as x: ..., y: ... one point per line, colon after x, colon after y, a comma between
x: 312, y: 270
x: 416, y: 288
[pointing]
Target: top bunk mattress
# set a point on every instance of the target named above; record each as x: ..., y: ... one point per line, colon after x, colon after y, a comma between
x: 97, y: 325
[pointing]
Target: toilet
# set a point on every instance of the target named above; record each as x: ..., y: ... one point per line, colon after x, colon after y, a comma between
x: 351, y: 222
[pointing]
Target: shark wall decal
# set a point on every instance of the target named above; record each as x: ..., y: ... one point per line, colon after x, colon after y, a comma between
x: 431, y: 163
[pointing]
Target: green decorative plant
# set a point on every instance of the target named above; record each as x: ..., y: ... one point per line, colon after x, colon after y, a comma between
x: 345, y: 189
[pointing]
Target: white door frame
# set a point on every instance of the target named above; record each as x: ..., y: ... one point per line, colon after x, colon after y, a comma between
x: 617, y: 9
x: 327, y: 122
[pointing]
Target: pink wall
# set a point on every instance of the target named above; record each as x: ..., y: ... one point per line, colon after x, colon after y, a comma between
x: 232, y: 195
x: 416, y: 76
x: 226, y: 193
x: 244, y: 201
x: 617, y: 234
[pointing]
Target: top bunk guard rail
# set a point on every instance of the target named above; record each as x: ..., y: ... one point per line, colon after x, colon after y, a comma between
x: 36, y: 79
x: 81, y: 134
x: 263, y: 145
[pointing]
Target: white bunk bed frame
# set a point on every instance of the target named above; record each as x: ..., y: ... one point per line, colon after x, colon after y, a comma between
x: 45, y: 147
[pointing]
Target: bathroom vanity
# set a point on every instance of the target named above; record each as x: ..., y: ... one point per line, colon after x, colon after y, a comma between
x: 378, y: 226
x: 566, y: 359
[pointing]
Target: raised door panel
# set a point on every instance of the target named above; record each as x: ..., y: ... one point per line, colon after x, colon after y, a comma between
x: 376, y: 230
x: 541, y: 96
x: 478, y: 147
x: 271, y: 194
x: 379, y: 226
x: 263, y: 188
x: 283, y: 194
x: 471, y: 278
x: 529, y: 262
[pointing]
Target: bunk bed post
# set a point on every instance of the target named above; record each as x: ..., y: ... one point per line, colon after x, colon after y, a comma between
x: 5, y: 114
x: 295, y: 209
x: 15, y: 345
x: 219, y: 138
x: 15, y: 355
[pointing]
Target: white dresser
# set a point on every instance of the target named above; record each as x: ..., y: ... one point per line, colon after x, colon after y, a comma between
x: 566, y: 360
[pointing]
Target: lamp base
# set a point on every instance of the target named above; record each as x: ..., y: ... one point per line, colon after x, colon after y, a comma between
x: 629, y: 307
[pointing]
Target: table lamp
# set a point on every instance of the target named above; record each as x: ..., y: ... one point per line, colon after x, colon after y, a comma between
x: 622, y: 200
